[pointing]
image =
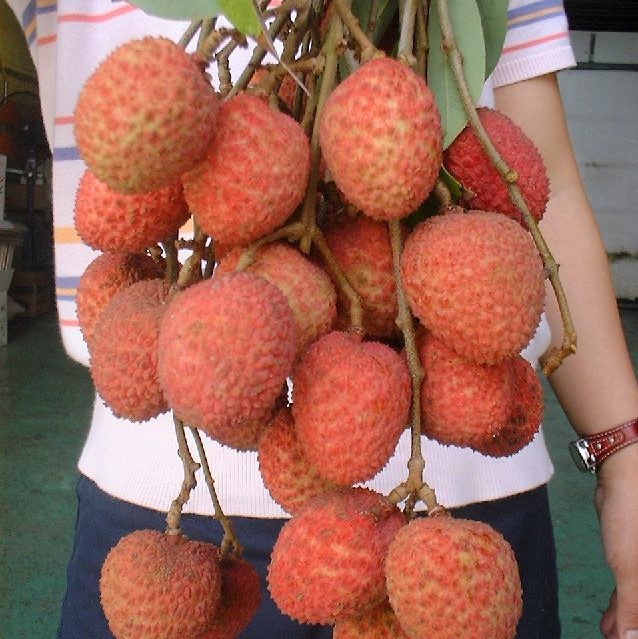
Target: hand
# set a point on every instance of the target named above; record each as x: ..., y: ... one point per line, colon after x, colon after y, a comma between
x: 617, y: 506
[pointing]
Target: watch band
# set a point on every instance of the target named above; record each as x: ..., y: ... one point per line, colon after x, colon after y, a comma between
x: 590, y: 452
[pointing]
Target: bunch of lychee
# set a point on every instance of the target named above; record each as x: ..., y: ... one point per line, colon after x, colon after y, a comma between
x: 222, y: 352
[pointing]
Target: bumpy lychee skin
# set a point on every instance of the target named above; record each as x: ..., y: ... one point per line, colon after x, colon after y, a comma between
x: 111, y: 221
x: 106, y: 275
x: 289, y: 477
x: 380, y: 134
x: 470, y: 165
x: 378, y: 623
x: 450, y: 578
x: 351, y: 403
x: 159, y: 586
x: 145, y: 116
x: 254, y: 174
x: 240, y: 598
x: 495, y: 409
x: 344, y: 536
x: 476, y: 281
x: 362, y: 249
x: 310, y: 293
x: 226, y: 347
x: 124, y: 351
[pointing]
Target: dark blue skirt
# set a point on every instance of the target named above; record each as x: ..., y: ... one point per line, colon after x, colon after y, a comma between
x: 102, y: 520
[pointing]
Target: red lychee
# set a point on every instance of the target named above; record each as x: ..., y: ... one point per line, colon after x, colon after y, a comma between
x: 466, y: 160
x: 449, y: 578
x: 226, y: 346
x: 380, y: 136
x: 362, y: 249
x: 124, y: 351
x: 145, y: 116
x: 378, y: 623
x: 159, y: 586
x: 308, y: 289
x: 254, y: 174
x: 240, y: 597
x: 106, y: 275
x: 495, y: 409
x: 289, y: 477
x: 476, y: 281
x: 111, y: 221
x: 351, y: 403
x: 344, y: 536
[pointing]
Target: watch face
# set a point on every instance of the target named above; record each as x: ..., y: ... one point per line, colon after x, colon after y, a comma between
x: 582, y: 457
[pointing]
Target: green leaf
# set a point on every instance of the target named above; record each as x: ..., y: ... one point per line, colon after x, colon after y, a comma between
x: 494, y: 21
x: 466, y: 24
x: 186, y: 10
x: 242, y: 15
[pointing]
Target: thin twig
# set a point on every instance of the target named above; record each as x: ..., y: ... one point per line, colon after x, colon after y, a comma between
x: 406, y: 39
x: 368, y: 50
x: 230, y: 543
x: 189, y: 34
x: 557, y: 354
x: 421, y: 45
x: 415, y: 484
x: 174, y: 516
x: 372, y: 19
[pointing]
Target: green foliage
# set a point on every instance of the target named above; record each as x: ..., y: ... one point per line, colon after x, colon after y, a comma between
x: 465, y: 17
x: 494, y: 23
x: 240, y: 13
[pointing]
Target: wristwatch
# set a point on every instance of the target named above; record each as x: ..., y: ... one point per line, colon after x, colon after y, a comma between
x: 590, y: 452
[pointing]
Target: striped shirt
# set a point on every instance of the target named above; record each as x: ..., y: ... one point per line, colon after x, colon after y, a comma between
x: 137, y: 462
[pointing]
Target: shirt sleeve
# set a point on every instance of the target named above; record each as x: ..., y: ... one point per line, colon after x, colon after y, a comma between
x: 537, y: 42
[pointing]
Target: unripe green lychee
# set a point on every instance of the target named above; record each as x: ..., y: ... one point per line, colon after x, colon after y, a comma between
x: 145, y: 116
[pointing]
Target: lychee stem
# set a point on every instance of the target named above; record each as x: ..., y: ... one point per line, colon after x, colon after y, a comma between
x: 372, y: 20
x: 291, y: 232
x: 555, y: 357
x: 421, y: 46
x: 191, y: 272
x: 308, y: 211
x: 230, y: 543
x: 415, y: 486
x: 172, y: 263
x: 189, y: 34
x: 356, y: 308
x: 368, y: 50
x: 174, y: 515
x: 406, y: 38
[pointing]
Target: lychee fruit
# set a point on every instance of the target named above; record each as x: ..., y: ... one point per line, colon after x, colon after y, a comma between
x: 107, y: 274
x: 240, y: 598
x: 254, y: 174
x: 380, y: 135
x: 308, y: 289
x: 344, y: 537
x: 466, y: 160
x: 494, y: 409
x: 145, y: 116
x: 289, y: 477
x: 476, y: 281
x: 226, y: 346
x: 111, y: 221
x: 124, y: 351
x: 159, y: 586
x: 450, y: 578
x: 351, y: 403
x: 378, y: 623
x: 361, y: 246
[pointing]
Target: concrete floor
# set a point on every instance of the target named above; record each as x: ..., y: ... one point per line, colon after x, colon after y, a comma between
x: 45, y: 405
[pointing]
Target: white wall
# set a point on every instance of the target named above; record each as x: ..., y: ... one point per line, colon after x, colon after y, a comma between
x: 602, y: 112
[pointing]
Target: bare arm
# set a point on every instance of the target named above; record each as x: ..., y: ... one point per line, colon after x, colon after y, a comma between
x: 597, y: 386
